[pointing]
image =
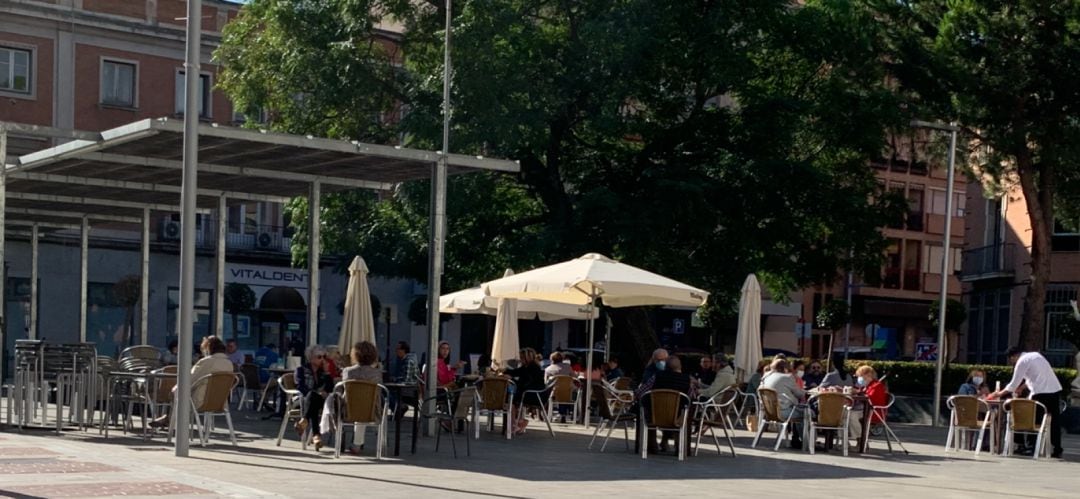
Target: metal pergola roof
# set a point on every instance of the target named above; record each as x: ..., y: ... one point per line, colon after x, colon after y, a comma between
x: 115, y: 174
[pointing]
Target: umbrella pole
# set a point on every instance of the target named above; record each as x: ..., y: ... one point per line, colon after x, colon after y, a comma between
x: 588, y: 364
x: 829, y: 355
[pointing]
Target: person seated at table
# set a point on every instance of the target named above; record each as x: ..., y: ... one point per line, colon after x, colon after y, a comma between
x: 789, y: 394
x: 447, y: 372
x: 705, y: 374
x: 334, y: 362
x: 813, y: 377
x: 597, y: 373
x: 672, y: 378
x: 265, y: 357
x: 169, y: 357
x: 754, y: 381
x: 365, y: 361
x: 527, y: 377
x: 213, y: 361
x: 235, y: 356
x: 875, y: 390
x: 557, y: 368
x: 725, y: 377
x: 656, y: 364
x: 975, y: 384
x: 613, y: 370
x: 406, y: 369
x: 798, y: 370
x: 838, y: 375
x: 314, y: 382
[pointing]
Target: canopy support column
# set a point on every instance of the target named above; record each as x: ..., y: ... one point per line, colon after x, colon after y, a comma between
x: 219, y: 254
x: 34, y: 248
x: 144, y: 281
x: 84, y: 253
x: 188, y: 191
x: 314, y: 249
x: 3, y: 231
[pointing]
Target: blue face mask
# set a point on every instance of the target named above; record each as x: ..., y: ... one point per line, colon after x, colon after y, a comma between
x: 660, y: 365
x: 861, y: 381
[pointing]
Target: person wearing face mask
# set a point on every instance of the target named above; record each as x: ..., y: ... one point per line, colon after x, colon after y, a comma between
x: 656, y: 364
x: 867, y: 381
x: 798, y: 370
x: 975, y: 385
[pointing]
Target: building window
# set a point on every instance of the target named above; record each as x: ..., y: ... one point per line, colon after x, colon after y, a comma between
x: 937, y: 202
x: 1066, y: 237
x: 891, y: 279
x: 109, y: 323
x: 1059, y: 298
x: 118, y: 83
x: 932, y: 263
x: 988, y: 326
x: 203, y: 315
x: 204, y: 93
x: 15, y: 70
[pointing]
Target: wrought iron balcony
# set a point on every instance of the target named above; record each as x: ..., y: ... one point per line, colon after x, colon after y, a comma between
x: 996, y: 261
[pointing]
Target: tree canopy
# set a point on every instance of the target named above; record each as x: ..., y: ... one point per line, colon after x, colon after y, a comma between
x: 1007, y: 72
x: 701, y: 140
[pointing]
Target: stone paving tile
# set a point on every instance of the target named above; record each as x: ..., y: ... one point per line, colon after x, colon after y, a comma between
x: 26, y: 451
x: 38, y: 466
x: 106, y: 489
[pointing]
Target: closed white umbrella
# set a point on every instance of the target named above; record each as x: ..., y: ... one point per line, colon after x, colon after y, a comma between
x: 474, y: 301
x: 583, y: 280
x: 748, y: 341
x: 358, y: 323
x: 506, y: 344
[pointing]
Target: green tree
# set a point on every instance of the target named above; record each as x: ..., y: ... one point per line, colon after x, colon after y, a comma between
x: 702, y: 140
x: 239, y: 299
x: 1007, y: 73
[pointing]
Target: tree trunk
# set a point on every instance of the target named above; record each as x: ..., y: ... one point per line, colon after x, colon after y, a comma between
x: 635, y: 321
x: 1037, y: 185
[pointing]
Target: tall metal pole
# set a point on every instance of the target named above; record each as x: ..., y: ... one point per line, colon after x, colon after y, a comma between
x: 84, y: 265
x: 438, y: 221
x: 144, y: 281
x: 945, y: 266
x: 314, y: 249
x: 219, y: 258
x: 847, y: 328
x: 188, y: 194
x: 34, y: 258
x: 3, y: 254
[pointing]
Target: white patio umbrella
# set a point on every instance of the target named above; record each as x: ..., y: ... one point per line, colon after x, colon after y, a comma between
x: 506, y: 344
x: 583, y: 280
x: 474, y: 301
x: 748, y: 341
x: 358, y: 323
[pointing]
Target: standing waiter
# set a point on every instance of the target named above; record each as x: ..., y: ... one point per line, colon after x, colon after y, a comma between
x: 1033, y: 370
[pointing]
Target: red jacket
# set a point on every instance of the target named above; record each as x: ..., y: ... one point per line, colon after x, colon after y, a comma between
x: 878, y: 394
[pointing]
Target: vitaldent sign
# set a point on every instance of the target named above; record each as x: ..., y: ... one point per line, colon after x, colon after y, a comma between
x: 255, y: 275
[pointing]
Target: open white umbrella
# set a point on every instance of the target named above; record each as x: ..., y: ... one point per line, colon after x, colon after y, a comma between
x: 748, y: 341
x: 474, y: 301
x: 583, y: 280
x: 358, y: 323
x: 506, y: 345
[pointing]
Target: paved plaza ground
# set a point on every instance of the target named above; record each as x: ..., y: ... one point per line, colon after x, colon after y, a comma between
x: 38, y: 463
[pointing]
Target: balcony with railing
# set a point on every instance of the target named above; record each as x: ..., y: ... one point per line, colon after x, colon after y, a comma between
x: 996, y: 261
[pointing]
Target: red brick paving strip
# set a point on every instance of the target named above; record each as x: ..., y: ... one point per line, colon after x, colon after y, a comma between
x: 106, y: 489
x: 26, y: 451
x: 36, y: 466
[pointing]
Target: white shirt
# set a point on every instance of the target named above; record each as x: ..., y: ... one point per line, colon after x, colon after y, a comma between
x: 1034, y: 370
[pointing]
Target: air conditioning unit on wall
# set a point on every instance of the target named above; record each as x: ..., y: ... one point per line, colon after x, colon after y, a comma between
x: 169, y: 230
x: 264, y: 241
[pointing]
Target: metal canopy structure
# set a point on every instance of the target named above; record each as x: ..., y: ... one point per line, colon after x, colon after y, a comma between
x: 125, y: 174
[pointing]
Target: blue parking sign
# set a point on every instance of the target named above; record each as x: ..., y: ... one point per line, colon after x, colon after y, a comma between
x: 678, y: 327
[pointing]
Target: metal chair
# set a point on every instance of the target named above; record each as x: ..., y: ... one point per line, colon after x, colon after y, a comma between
x: 363, y: 404
x: 878, y: 417
x: 964, y: 420
x: 714, y: 413
x: 217, y: 387
x: 249, y: 376
x: 833, y: 413
x: 623, y: 384
x: 535, y: 398
x: 495, y: 399
x: 563, y: 391
x: 1023, y: 420
x: 614, y: 407
x: 294, y: 408
x: 669, y: 412
x: 769, y: 414
x: 144, y: 352
x: 467, y: 402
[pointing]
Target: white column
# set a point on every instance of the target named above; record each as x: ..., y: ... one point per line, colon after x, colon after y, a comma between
x: 144, y: 284
x: 3, y: 254
x: 84, y: 250
x: 219, y: 254
x: 33, y: 281
x: 314, y: 248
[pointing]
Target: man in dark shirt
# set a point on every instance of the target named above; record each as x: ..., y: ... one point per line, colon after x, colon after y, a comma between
x: 671, y: 378
x: 706, y: 374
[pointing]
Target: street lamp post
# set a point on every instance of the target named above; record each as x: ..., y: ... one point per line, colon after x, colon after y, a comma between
x: 946, y: 240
